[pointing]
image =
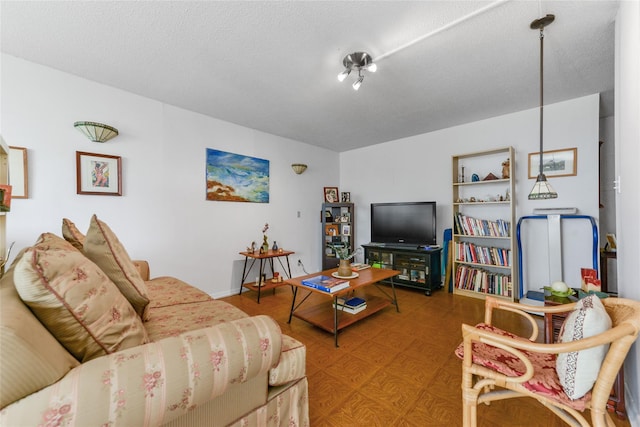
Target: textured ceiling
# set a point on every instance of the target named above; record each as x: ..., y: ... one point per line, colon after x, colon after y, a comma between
x: 272, y: 66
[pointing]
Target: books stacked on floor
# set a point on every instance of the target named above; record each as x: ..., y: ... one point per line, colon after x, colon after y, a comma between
x: 357, y: 266
x: 351, y: 305
x: 326, y: 283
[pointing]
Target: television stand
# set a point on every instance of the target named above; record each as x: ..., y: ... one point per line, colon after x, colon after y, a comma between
x: 419, y: 268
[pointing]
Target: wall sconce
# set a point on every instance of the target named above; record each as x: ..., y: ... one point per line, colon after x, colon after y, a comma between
x: 97, y: 132
x: 298, y: 168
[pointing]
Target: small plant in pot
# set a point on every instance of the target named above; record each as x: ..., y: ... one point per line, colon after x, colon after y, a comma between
x: 342, y: 253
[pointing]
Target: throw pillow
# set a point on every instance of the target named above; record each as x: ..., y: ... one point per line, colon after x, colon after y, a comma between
x: 578, y: 370
x: 102, y: 246
x: 76, y: 301
x: 30, y: 357
x: 71, y: 234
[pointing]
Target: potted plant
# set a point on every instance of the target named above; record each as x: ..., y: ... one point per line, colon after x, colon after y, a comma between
x: 342, y: 253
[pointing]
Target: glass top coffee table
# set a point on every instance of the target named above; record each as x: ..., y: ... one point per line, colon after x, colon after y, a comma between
x: 328, y: 316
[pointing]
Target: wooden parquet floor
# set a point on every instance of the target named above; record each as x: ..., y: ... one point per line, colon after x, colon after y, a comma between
x: 396, y: 369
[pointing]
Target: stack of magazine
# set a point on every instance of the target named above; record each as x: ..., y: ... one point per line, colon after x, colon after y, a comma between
x: 351, y: 305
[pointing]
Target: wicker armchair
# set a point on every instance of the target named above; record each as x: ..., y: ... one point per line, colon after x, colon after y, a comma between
x: 485, y: 347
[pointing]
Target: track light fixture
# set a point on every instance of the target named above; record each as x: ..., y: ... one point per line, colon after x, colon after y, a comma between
x: 357, y: 61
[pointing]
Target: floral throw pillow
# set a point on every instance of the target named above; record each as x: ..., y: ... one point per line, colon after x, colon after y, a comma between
x: 578, y: 370
x: 102, y: 246
x: 76, y: 301
x: 71, y: 234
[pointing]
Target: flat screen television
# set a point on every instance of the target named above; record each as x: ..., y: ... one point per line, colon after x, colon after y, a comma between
x: 409, y: 223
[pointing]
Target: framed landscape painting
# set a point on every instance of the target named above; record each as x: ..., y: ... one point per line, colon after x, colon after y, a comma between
x: 554, y: 163
x: 236, y: 178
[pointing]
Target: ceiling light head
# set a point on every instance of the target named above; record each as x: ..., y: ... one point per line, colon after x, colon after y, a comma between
x: 96, y: 132
x: 358, y: 83
x: 343, y: 75
x: 357, y: 61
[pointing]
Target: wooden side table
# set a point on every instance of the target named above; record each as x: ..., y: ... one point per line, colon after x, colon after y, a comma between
x: 264, y: 259
x: 552, y: 325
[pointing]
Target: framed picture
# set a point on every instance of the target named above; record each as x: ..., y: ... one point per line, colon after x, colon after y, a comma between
x: 346, y: 230
x: 331, y: 194
x: 98, y: 174
x: 18, y: 172
x: 331, y: 230
x: 554, y: 163
x: 236, y: 178
x: 346, y: 197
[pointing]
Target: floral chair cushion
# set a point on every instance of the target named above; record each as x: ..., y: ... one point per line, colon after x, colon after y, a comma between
x: 544, y: 382
x: 102, y: 246
x: 75, y: 300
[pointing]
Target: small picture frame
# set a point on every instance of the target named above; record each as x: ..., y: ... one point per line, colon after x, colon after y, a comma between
x: 346, y: 197
x: 98, y: 174
x: 331, y: 230
x: 19, y: 172
x: 554, y: 163
x: 331, y: 195
x: 346, y: 230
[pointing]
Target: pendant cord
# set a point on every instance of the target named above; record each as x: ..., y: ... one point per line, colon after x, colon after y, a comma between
x: 541, y: 95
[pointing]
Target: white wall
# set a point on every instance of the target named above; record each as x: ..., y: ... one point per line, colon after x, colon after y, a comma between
x: 627, y: 125
x: 163, y: 215
x: 419, y: 168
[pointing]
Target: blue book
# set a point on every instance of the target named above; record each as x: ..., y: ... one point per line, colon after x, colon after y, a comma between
x: 354, y: 302
x: 326, y: 283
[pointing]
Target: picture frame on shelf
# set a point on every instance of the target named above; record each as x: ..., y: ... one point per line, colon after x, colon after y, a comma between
x: 555, y: 163
x: 331, y: 230
x: 19, y: 172
x: 346, y: 230
x: 331, y: 195
x: 98, y: 174
x: 346, y: 197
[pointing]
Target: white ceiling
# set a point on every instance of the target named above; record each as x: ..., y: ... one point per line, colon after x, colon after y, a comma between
x: 272, y: 65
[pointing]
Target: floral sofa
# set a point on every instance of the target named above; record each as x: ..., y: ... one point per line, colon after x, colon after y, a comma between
x: 87, y: 339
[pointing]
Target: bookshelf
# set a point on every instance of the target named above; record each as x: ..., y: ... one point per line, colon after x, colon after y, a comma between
x: 4, y: 179
x: 338, y: 229
x: 483, y: 244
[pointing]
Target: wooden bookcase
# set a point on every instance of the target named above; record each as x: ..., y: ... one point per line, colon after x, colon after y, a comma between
x: 483, y: 244
x: 338, y: 228
x: 4, y: 179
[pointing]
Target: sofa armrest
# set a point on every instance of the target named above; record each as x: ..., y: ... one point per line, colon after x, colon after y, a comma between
x: 157, y: 382
x: 143, y: 268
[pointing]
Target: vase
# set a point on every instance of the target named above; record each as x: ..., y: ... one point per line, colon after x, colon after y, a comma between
x: 344, y: 268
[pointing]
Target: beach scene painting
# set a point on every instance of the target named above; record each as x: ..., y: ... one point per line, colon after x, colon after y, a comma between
x: 236, y: 178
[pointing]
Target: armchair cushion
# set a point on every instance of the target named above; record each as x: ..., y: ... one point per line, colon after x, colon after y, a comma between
x: 544, y: 381
x: 102, y: 246
x: 75, y: 300
x: 578, y: 370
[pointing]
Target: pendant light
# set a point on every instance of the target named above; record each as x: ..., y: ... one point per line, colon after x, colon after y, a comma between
x: 542, y: 188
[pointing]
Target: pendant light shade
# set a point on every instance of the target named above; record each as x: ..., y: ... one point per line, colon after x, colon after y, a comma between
x: 542, y: 188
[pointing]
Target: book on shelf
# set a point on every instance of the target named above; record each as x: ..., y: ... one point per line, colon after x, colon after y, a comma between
x: 353, y: 302
x: 357, y: 266
x: 350, y: 310
x: 351, y: 305
x: 326, y: 283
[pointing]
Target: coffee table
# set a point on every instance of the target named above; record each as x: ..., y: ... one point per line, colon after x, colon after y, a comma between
x: 326, y: 315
